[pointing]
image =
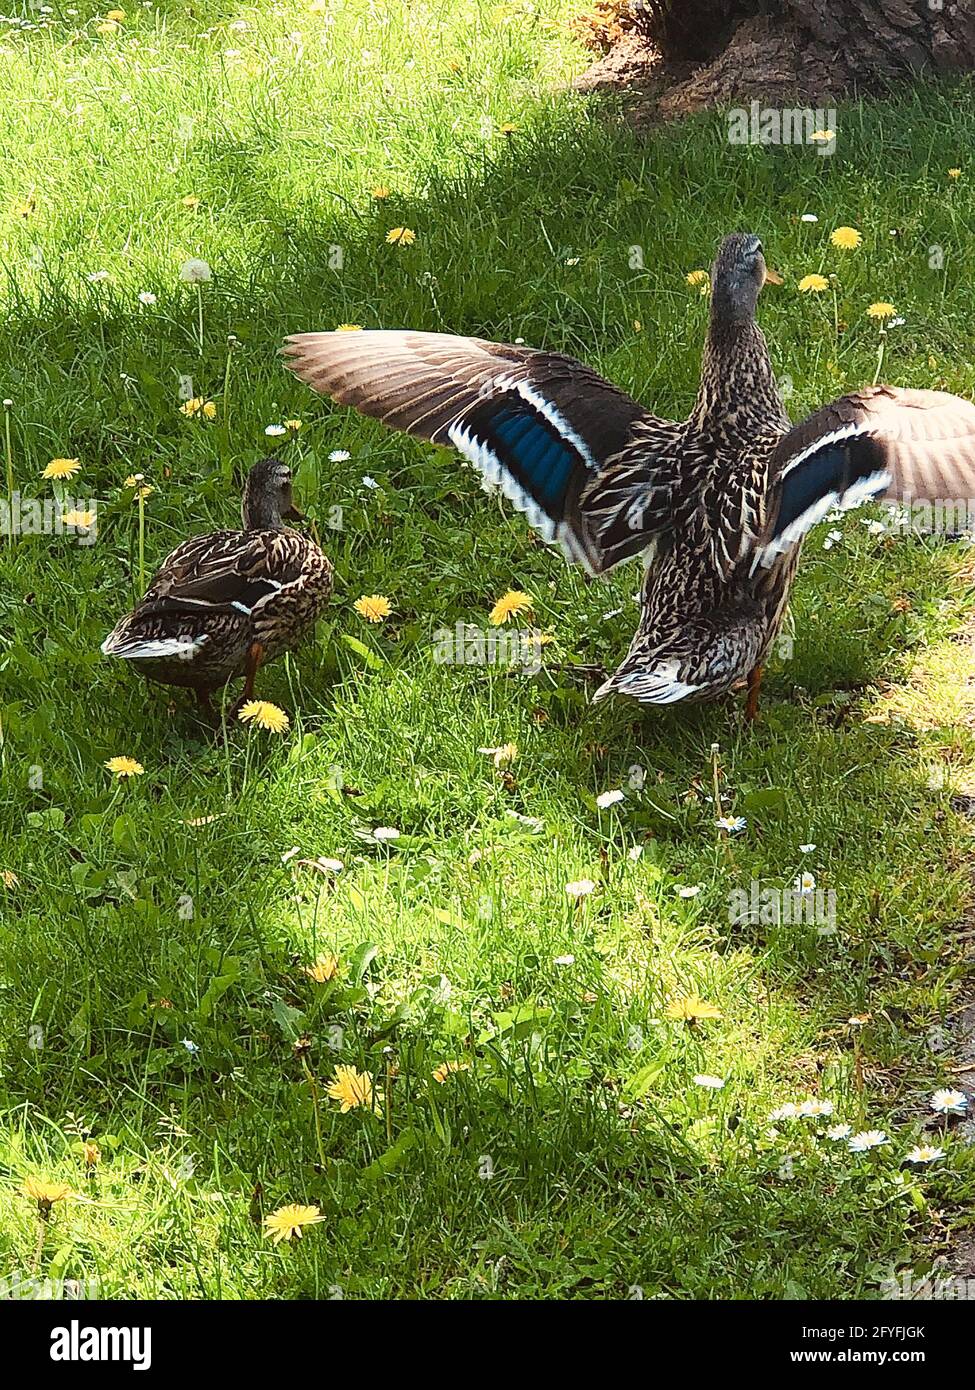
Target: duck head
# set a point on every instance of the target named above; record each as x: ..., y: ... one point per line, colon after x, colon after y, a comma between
x: 737, y: 277
x: 268, y: 501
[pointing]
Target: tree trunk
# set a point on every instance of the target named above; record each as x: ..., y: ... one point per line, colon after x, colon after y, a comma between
x: 699, y: 53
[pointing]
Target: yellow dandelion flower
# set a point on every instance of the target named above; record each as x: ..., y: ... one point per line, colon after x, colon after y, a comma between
x: 509, y: 605
x: 117, y: 16
x: 289, y: 1222
x: 293, y: 425
x: 507, y: 129
x: 823, y: 137
x: 191, y: 201
x: 44, y: 1193
x: 142, y: 489
x: 265, y: 716
x: 191, y: 407
x: 62, y: 468
x: 380, y: 192
x: 691, y: 1008
x: 91, y: 1153
x: 400, y: 236
x: 80, y: 521
x: 125, y: 767
x: 814, y: 283
x: 348, y: 328
x: 325, y: 968
x: 846, y: 238
x: 106, y: 28
x: 881, y: 309
x: 351, y: 1088
x: 209, y: 411
x: 373, y: 607
x: 8, y: 878
x: 503, y: 756
x: 954, y: 173
x: 446, y: 1069
x: 699, y: 278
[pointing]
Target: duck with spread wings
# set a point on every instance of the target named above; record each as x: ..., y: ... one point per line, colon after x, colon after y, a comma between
x: 717, y: 505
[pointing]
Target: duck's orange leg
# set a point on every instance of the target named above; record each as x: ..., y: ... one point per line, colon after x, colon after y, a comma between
x: 754, y: 685
x: 255, y: 656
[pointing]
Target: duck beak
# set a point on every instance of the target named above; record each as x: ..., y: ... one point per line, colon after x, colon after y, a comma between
x: 772, y: 277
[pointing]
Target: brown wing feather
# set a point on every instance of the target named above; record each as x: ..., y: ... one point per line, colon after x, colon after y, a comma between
x: 226, y: 569
x: 538, y: 424
x: 421, y: 382
x: 883, y: 443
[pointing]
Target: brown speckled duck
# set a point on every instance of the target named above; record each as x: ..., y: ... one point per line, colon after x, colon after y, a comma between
x: 225, y: 603
x: 717, y: 505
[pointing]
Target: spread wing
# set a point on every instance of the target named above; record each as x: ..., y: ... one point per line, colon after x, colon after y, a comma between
x: 539, y: 425
x: 880, y: 443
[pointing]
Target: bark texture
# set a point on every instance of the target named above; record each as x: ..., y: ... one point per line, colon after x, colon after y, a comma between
x: 690, y: 54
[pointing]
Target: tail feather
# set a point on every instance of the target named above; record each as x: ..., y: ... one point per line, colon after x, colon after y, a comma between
x: 656, y: 683
x: 130, y: 646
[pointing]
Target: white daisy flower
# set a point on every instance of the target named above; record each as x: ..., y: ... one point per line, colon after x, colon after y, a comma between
x: 839, y: 1132
x: 189, y: 1045
x: 274, y: 431
x: 789, y: 1111
x: 809, y: 217
x: 606, y: 799
x: 565, y: 960
x: 804, y: 884
x: 689, y: 890
x: 734, y: 825
x: 634, y: 852
x: 948, y: 1102
x: 385, y: 832
x: 710, y: 1083
x: 580, y: 888
x: 339, y: 456
x: 96, y: 277
x: 806, y: 849
x: 369, y: 482
x: 924, y: 1153
x: 868, y: 1139
x: 814, y: 1108
x: 147, y: 297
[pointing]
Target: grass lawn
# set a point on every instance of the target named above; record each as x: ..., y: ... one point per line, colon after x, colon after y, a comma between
x: 155, y: 934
